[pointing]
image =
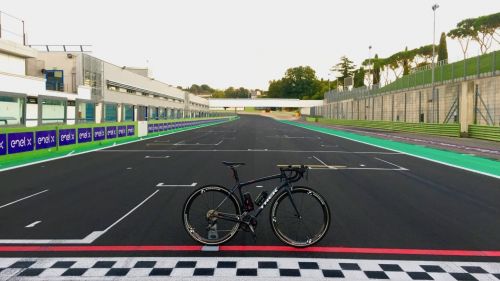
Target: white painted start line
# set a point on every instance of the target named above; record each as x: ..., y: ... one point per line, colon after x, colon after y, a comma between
x: 86, y: 240
x: 24, y: 198
x: 176, y: 185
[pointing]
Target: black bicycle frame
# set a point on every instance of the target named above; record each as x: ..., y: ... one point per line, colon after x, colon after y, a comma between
x: 285, y: 183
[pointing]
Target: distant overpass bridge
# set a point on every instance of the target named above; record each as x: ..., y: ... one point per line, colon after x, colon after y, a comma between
x: 221, y: 103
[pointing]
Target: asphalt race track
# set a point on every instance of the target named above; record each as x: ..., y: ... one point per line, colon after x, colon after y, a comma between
x: 132, y: 195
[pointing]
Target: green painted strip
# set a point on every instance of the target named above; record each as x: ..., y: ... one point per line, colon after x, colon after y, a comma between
x: 451, y: 130
x: 11, y: 161
x: 463, y: 161
x: 484, y: 132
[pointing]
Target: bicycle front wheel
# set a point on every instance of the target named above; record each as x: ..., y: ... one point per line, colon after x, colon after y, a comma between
x: 302, y: 225
x: 199, y: 219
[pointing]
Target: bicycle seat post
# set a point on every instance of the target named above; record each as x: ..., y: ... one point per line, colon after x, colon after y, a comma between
x: 235, y: 175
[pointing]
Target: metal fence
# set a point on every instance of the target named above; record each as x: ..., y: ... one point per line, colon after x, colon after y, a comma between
x: 12, y: 28
x: 417, y: 103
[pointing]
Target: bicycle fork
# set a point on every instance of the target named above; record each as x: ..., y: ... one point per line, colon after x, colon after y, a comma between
x: 289, y: 191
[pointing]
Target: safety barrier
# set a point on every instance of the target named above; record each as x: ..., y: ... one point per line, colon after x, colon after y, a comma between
x: 452, y: 130
x: 39, y: 141
x: 159, y: 126
x: 56, y: 137
x: 484, y: 132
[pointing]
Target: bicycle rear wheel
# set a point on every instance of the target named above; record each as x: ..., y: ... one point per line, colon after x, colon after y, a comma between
x: 197, y: 216
x: 306, y: 229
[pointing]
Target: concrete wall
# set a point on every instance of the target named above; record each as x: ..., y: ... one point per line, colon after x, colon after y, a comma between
x: 455, y: 102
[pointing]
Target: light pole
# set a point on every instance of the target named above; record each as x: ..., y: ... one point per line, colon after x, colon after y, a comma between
x: 434, y: 8
x: 369, y: 67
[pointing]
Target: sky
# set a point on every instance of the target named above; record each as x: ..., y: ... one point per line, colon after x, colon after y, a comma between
x: 226, y: 43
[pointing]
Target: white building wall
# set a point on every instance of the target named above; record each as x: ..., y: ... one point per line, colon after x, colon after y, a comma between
x: 12, y: 64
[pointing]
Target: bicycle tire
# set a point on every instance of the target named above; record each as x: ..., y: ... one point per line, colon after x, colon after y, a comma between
x: 203, y: 194
x: 314, y: 207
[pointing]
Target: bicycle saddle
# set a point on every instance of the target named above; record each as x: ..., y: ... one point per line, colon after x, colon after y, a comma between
x: 233, y: 164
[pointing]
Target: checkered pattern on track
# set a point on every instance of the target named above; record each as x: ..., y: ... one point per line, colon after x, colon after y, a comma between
x: 252, y: 268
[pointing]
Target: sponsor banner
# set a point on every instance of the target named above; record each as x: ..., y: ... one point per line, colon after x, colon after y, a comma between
x: 151, y: 128
x: 111, y: 132
x: 99, y: 133
x: 45, y: 139
x: 130, y: 130
x: 3, y: 144
x: 122, y: 131
x: 165, y: 126
x: 67, y: 137
x: 84, y: 135
x: 156, y: 127
x: 20, y: 142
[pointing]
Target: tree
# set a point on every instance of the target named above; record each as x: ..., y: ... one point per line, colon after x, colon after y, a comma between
x: 406, y: 61
x: 442, y: 48
x: 482, y: 30
x: 298, y: 82
x: 275, y: 89
x: 376, y: 70
x: 359, y: 77
x: 486, y: 27
x: 464, y: 34
x: 345, y: 68
x: 236, y: 93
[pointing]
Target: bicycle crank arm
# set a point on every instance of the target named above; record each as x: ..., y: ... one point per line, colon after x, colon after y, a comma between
x: 226, y: 216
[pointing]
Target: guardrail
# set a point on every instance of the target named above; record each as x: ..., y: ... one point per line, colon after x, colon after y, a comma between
x: 451, y: 130
x: 484, y: 132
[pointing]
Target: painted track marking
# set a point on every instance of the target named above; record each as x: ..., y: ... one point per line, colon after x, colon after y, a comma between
x: 156, y: 157
x: 390, y: 163
x: 248, y: 150
x: 416, y: 155
x: 324, y: 164
x: 182, y: 143
x: 32, y: 224
x: 246, y: 248
x: 176, y: 185
x: 24, y: 198
x: 87, y: 240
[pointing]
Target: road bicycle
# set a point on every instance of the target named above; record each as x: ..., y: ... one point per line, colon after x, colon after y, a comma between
x: 299, y: 216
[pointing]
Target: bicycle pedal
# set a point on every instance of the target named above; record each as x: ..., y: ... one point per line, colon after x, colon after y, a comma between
x: 252, y: 230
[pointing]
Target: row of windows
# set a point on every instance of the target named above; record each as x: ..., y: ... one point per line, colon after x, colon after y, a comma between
x: 13, y: 112
x: 130, y: 91
x: 198, y: 105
